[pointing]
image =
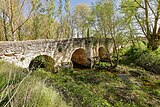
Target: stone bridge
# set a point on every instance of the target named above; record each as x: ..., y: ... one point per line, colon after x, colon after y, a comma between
x: 79, y: 50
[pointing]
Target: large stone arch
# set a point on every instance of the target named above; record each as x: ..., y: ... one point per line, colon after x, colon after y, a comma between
x: 42, y: 61
x: 81, y: 57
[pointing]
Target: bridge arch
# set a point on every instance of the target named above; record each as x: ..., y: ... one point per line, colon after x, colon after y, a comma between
x: 42, y: 61
x: 80, y: 58
x: 103, y: 54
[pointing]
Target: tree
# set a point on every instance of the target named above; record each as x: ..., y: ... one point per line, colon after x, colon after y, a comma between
x: 66, y: 21
x: 4, y: 20
x: 50, y: 15
x: 12, y: 15
x: 109, y: 24
x: 36, y: 19
x: 147, y: 14
x: 82, y: 12
x: 1, y: 30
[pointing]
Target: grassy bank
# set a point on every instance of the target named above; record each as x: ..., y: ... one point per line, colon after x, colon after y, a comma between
x: 126, y: 87
x: 18, y: 88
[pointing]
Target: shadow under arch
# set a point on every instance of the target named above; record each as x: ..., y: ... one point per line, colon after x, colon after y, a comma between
x: 42, y: 61
x: 103, y: 54
x: 80, y: 59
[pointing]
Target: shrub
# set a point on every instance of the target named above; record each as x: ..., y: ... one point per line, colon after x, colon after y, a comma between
x: 141, y: 56
x: 150, y: 61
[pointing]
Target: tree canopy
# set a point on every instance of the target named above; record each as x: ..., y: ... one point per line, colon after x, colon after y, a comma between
x: 36, y: 19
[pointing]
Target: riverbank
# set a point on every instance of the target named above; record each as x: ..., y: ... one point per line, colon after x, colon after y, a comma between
x: 125, y: 87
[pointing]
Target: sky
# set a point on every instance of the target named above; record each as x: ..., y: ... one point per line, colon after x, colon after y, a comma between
x: 89, y: 2
x: 75, y: 2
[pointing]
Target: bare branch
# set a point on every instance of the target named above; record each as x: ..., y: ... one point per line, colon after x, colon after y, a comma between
x: 141, y: 26
x: 139, y: 4
x: 23, y: 22
x: 151, y: 9
x: 156, y: 19
x: 5, y: 12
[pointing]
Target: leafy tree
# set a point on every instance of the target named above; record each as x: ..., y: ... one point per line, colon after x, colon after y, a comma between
x: 109, y: 24
x: 50, y: 13
x: 146, y: 14
x: 82, y: 12
x: 67, y: 18
x: 36, y: 18
x: 12, y: 12
x: 4, y: 19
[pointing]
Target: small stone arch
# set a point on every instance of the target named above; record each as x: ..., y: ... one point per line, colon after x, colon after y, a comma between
x: 42, y: 61
x: 103, y: 54
x: 80, y: 58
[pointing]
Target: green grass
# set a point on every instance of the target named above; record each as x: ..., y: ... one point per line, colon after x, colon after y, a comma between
x: 18, y: 89
x: 126, y: 87
x: 92, y: 88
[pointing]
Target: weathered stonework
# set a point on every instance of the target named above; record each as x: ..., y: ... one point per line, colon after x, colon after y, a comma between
x: 22, y: 52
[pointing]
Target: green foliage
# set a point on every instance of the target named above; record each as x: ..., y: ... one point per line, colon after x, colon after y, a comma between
x: 141, y: 56
x: 10, y: 74
x: 129, y: 8
x: 81, y: 88
x: 137, y: 12
x: 59, y: 10
x: 67, y: 5
x: 76, y: 91
x: 100, y: 88
x: 33, y: 92
x: 129, y: 55
x: 150, y: 61
x: 104, y: 13
x: 37, y: 94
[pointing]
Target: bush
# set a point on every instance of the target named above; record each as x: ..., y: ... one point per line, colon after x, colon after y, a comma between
x: 132, y: 54
x: 141, y: 56
x: 150, y: 61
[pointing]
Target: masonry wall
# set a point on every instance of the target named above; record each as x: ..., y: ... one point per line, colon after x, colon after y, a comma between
x: 22, y: 52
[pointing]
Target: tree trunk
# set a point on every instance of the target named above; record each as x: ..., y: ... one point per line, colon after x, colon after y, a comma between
x: 19, y: 34
x: 4, y: 26
x: 153, y: 43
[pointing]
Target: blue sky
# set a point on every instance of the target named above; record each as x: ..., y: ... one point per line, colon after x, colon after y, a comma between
x: 75, y: 2
x: 89, y: 2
